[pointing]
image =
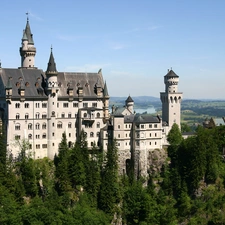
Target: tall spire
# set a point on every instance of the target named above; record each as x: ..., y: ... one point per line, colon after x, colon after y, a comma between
x: 28, y: 32
x: 51, y: 65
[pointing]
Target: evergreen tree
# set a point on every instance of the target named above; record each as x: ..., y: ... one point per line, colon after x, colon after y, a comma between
x: 62, y: 166
x: 109, y: 195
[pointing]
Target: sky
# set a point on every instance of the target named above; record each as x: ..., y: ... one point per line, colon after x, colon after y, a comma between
x: 133, y: 42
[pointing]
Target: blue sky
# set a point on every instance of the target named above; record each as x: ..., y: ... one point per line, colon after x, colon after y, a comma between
x: 134, y: 42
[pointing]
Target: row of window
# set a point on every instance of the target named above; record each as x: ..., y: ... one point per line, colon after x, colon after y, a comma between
x: 139, y: 126
x: 150, y: 143
x: 44, y: 116
x: 37, y: 136
x: 91, y: 116
x: 44, y: 105
x: 44, y: 125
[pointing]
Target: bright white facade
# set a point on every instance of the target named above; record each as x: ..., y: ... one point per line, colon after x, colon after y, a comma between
x: 40, y: 106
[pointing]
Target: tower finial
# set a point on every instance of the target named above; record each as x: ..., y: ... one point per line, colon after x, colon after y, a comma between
x: 27, y: 13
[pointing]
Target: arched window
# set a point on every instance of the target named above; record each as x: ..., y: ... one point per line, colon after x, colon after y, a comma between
x: 26, y: 116
x: 37, y: 126
x: 53, y: 113
x: 30, y: 136
x: 30, y: 126
x: 98, y: 125
x: 69, y: 115
x: 91, y: 134
x: 59, y: 125
x: 98, y: 134
x: 17, y: 126
x: 37, y: 115
x: 70, y: 144
x: 44, y: 135
x: 69, y: 125
x: 44, y: 126
x: 85, y: 115
x: 17, y: 116
x: 98, y: 115
x: 63, y: 115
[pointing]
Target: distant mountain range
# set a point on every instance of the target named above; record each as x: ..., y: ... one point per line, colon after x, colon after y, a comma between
x: 137, y: 99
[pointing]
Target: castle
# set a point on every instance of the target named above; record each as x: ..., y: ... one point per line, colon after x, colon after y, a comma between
x: 40, y: 106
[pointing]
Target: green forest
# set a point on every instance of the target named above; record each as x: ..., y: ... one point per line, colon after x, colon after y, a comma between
x: 82, y: 186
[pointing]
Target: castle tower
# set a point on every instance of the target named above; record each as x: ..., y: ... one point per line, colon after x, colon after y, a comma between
x: 52, y: 92
x: 27, y: 49
x: 130, y: 104
x: 171, y: 99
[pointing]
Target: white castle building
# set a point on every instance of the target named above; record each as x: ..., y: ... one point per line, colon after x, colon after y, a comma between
x: 40, y: 106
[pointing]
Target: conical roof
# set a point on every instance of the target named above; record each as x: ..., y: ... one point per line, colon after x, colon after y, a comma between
x: 28, y: 33
x: 129, y: 99
x: 105, y: 92
x: 51, y: 64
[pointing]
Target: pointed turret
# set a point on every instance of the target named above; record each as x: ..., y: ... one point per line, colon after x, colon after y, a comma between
x: 27, y: 50
x: 51, y: 74
x: 28, y: 33
x: 105, y: 91
x: 130, y: 104
x: 51, y: 65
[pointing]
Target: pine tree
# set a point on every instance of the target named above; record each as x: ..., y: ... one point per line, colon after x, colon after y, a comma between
x: 109, y: 195
x: 62, y: 167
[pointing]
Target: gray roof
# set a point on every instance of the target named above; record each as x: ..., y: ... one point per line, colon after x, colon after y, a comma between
x: 105, y: 93
x: 51, y: 64
x: 129, y: 99
x: 28, y: 33
x: 171, y: 74
x: 34, y: 80
x: 119, y: 111
x: 129, y: 118
x: 146, y: 118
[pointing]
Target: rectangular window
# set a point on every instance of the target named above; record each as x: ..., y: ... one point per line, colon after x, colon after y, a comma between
x: 38, y: 146
x: 155, y: 125
x: 17, y: 137
x: 94, y: 104
x: 65, y: 105
x: 142, y: 126
x: 75, y: 105
x: 44, y: 145
x: 37, y: 105
x: 85, y: 105
x: 44, y: 105
x: 44, y: 116
x: 150, y: 125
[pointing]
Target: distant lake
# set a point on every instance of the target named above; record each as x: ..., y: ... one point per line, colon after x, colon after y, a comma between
x: 149, y: 110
